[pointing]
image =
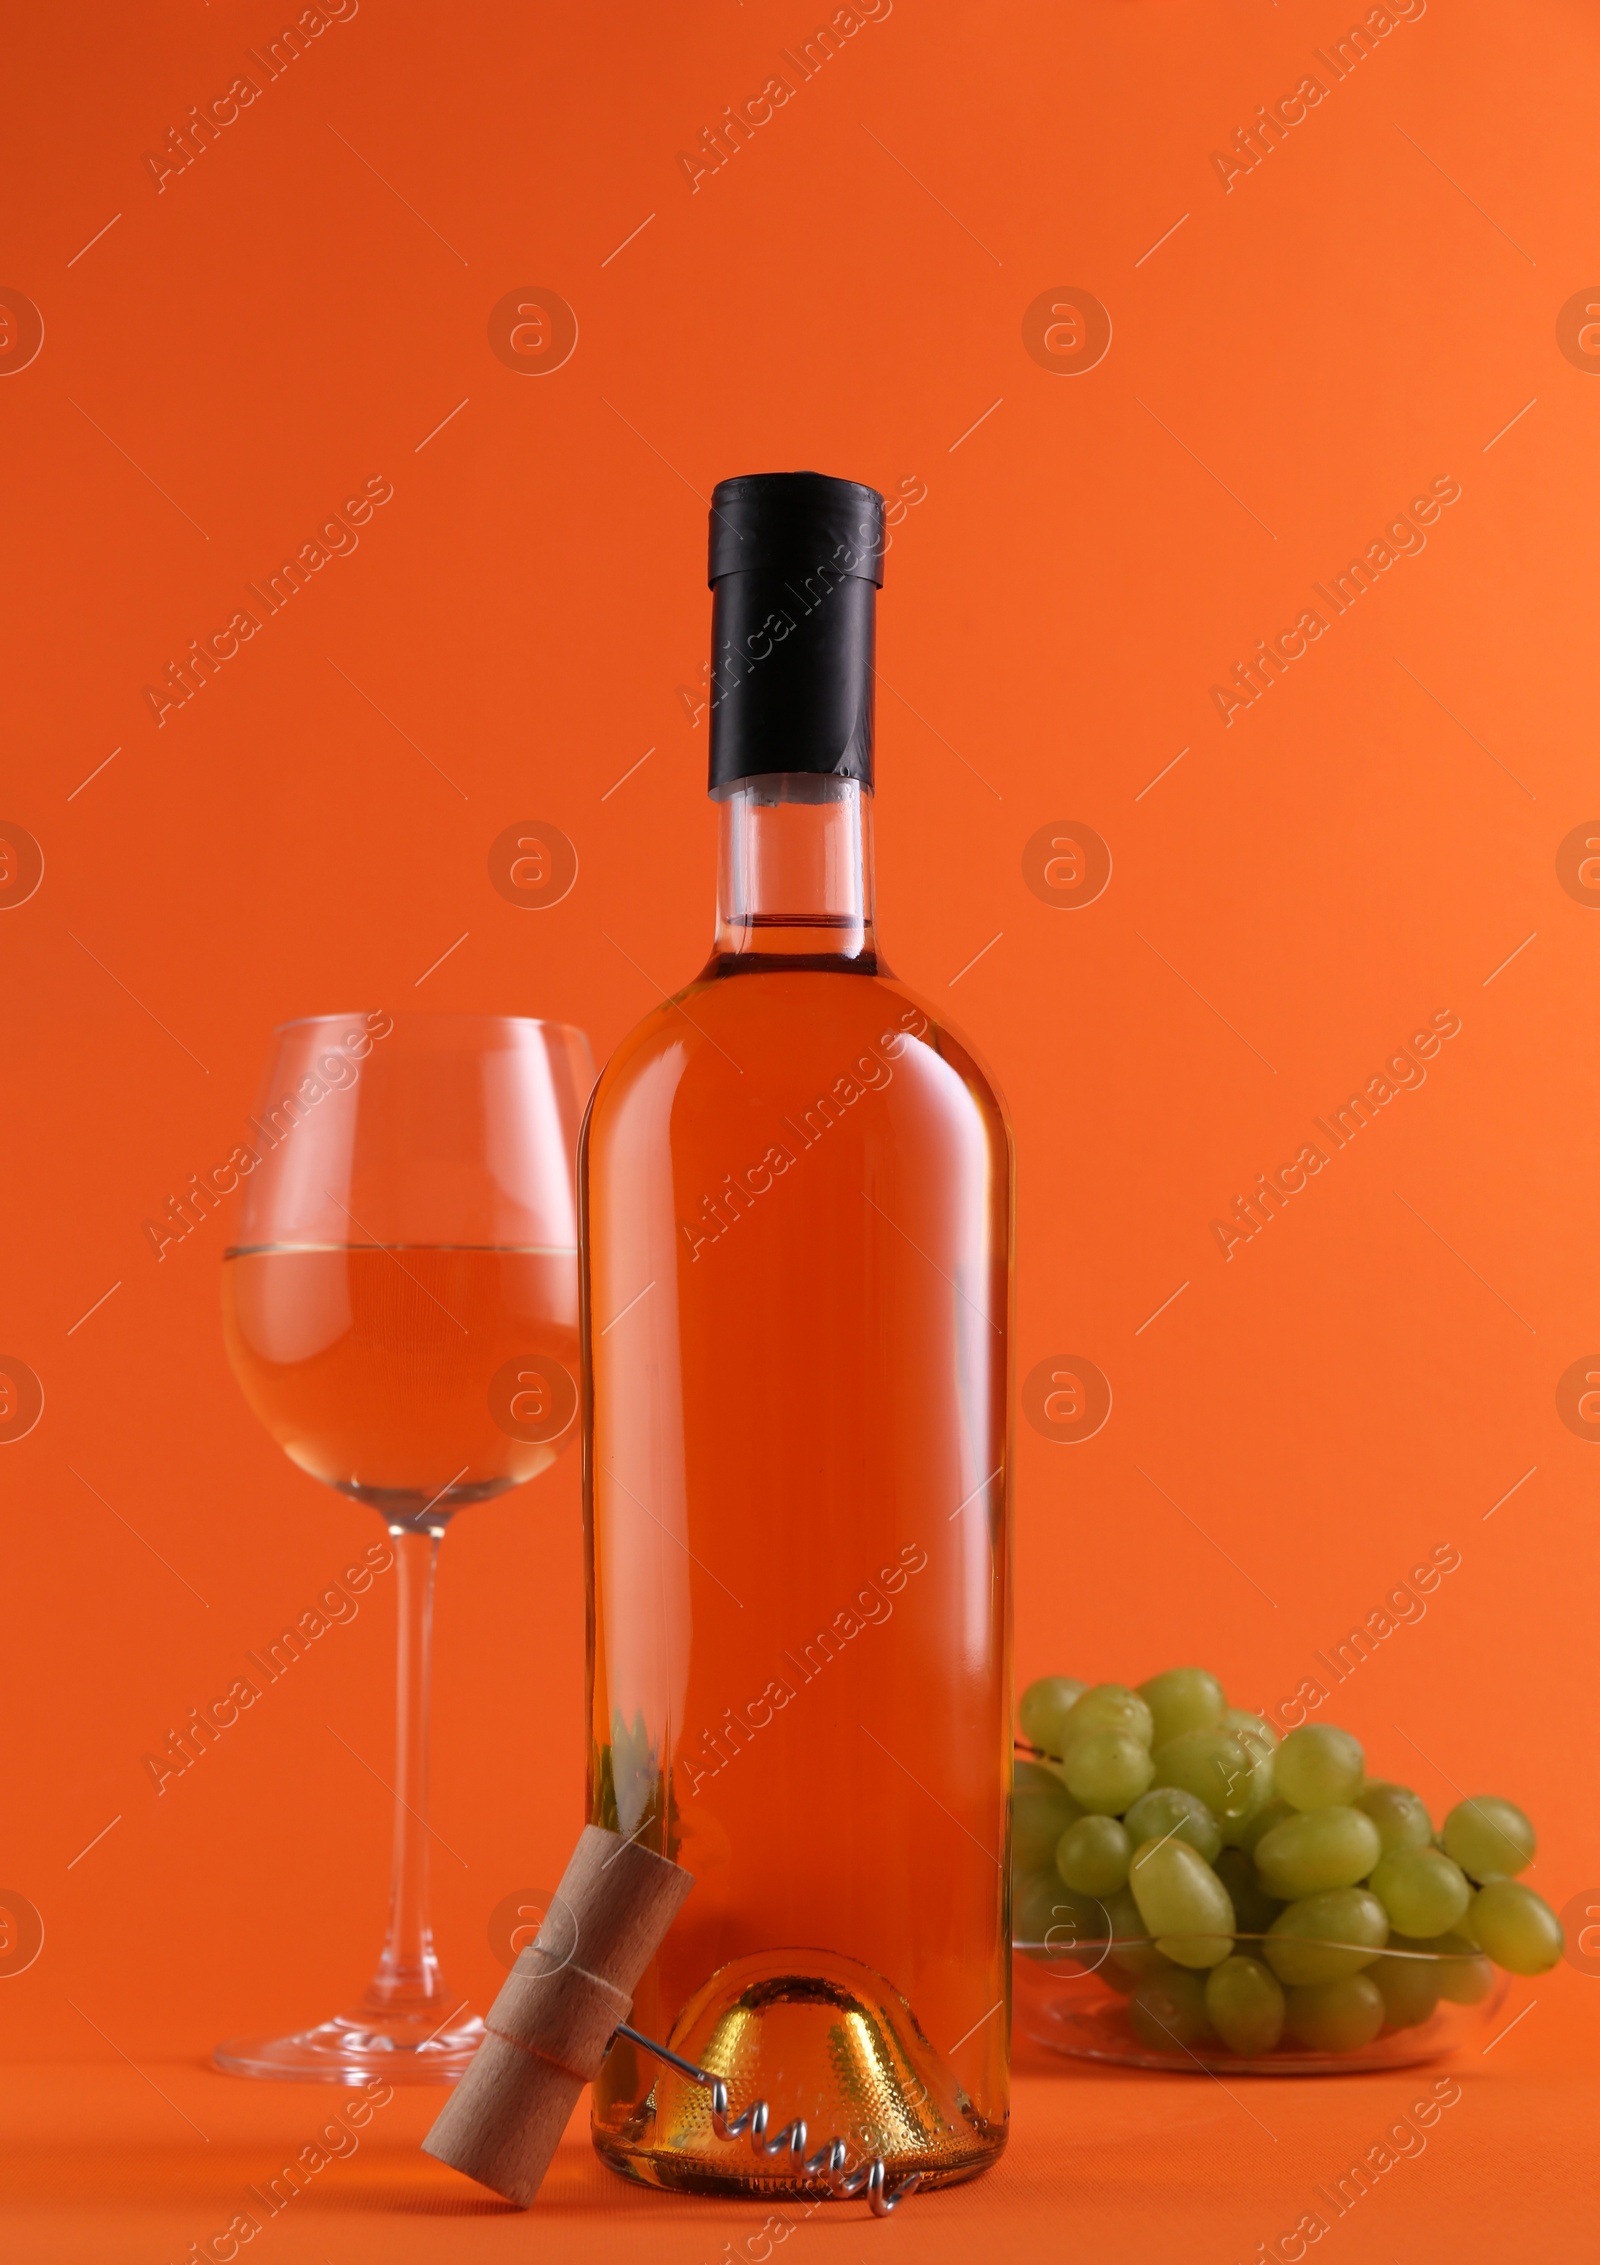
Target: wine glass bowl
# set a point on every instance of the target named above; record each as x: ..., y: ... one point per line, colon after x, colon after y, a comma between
x: 400, y: 1308
x: 410, y: 1378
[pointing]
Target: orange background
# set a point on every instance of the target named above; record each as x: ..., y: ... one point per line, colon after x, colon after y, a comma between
x: 1304, y: 352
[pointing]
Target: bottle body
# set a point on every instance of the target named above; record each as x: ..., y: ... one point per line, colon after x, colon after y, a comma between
x: 796, y: 1198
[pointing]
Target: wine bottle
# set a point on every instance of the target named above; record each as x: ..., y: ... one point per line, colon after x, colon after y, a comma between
x: 796, y: 1218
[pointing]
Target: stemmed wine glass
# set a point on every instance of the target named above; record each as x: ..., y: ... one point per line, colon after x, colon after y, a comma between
x: 401, y: 1311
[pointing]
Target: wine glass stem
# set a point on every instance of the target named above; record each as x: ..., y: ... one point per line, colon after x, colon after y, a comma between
x: 408, y: 1978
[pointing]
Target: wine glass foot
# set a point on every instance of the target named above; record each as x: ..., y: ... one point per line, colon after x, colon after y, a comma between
x: 353, y: 2050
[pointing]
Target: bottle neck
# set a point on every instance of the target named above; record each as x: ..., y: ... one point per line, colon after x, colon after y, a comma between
x: 794, y: 872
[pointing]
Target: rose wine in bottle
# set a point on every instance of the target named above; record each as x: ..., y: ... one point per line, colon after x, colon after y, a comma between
x: 796, y: 1202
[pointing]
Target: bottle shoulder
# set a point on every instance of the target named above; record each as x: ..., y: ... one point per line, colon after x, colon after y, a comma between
x: 788, y: 1034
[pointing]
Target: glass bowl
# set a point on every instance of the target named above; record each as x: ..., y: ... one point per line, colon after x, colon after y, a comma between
x: 1111, y: 1999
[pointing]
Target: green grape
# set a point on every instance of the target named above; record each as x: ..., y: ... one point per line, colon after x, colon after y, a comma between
x: 1167, y: 1808
x: 1078, y: 1928
x: 1317, y: 1848
x: 1259, y: 1793
x: 1031, y: 1896
x: 1423, y: 1892
x: 1409, y: 1987
x: 1463, y: 1974
x: 1168, y: 2011
x: 1184, y: 1698
x: 1517, y: 1928
x: 1401, y: 1818
x: 1214, y: 1765
x: 1318, y: 1766
x: 1324, y: 1936
x: 1336, y: 2017
x: 1489, y: 1838
x: 1106, y: 1769
x: 1182, y: 1902
x: 1249, y: 1831
x: 1093, y: 1856
x: 1245, y: 2002
x: 1049, y: 1921
x: 1108, y: 1706
x: 1043, y: 1709
x: 1254, y: 1729
x: 1253, y: 1909
x: 1041, y: 1810
x: 1133, y: 1954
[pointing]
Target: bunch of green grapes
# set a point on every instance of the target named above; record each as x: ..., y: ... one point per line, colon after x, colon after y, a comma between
x: 1236, y: 1886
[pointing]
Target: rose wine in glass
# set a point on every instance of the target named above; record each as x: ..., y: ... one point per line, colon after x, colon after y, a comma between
x: 795, y: 1184
x: 401, y: 1311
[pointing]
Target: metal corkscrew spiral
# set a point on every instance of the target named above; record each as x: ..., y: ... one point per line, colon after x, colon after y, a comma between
x: 827, y: 2163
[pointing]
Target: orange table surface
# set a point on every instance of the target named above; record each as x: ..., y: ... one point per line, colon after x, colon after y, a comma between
x: 109, y: 2161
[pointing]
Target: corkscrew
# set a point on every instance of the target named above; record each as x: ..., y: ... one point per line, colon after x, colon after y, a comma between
x: 827, y: 2163
x: 555, y: 2020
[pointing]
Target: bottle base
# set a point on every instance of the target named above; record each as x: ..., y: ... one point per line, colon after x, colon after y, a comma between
x: 671, y: 2173
x: 816, y: 2038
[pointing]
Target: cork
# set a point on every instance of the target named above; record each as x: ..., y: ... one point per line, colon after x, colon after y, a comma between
x: 546, y: 2032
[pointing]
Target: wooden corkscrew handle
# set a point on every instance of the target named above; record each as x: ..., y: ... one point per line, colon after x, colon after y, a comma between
x: 547, y: 2031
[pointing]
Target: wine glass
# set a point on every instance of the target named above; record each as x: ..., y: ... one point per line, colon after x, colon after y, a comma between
x: 401, y: 1311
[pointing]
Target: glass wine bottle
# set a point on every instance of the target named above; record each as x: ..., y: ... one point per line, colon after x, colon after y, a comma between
x: 796, y: 1200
